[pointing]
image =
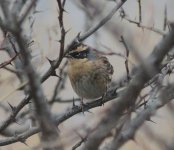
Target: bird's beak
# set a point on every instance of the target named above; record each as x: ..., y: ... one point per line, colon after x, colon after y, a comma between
x: 68, y: 55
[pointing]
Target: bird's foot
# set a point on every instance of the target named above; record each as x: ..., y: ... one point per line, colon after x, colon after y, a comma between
x: 103, y: 99
x: 82, y: 105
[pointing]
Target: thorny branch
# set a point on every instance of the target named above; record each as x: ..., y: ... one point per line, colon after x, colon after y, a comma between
x: 59, y: 118
x: 61, y: 6
x: 83, y: 139
x: 49, y: 136
x: 166, y: 96
x: 15, y: 111
x: 60, y: 84
x: 61, y: 81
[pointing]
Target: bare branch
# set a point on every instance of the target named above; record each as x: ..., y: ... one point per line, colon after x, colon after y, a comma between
x: 79, y: 143
x: 102, y: 22
x: 145, y: 27
x: 165, y: 97
x: 62, y: 29
x: 28, y: 9
x: 60, y: 83
x: 165, y: 18
x: 58, y: 119
x: 49, y: 135
x: 139, y: 24
x: 11, y: 118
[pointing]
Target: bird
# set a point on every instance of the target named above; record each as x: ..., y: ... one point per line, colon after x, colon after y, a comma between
x: 89, y: 72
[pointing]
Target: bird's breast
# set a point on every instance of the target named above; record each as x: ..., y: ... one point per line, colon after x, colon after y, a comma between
x: 87, y: 82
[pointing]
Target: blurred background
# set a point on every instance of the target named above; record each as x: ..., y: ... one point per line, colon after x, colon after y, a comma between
x: 81, y: 15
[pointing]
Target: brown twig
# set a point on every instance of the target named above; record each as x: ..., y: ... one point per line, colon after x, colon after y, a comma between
x: 83, y: 139
x: 61, y: 6
x: 127, y: 56
x: 123, y: 15
x: 11, y: 118
x: 59, y: 100
x: 140, y: 12
x: 11, y: 70
x: 145, y: 27
x: 60, y: 83
x: 8, y: 62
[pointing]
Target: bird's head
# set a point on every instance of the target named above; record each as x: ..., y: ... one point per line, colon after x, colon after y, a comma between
x: 81, y: 52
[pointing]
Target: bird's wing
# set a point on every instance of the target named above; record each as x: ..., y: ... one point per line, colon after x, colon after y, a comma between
x: 107, y: 65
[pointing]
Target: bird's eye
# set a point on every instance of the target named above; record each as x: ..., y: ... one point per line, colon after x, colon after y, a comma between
x: 80, y: 55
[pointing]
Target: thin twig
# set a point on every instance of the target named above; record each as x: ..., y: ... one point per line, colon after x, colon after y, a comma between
x: 123, y: 15
x: 145, y: 27
x: 59, y: 100
x: 58, y: 61
x: 62, y: 28
x: 102, y: 22
x: 12, y: 70
x: 111, y: 52
x: 61, y: 50
x: 79, y: 143
x: 60, y: 83
x: 140, y: 12
x: 11, y: 118
x: 165, y: 18
x: 127, y: 56
x: 4, y: 64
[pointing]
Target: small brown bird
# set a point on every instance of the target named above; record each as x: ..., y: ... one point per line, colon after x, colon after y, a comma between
x: 89, y: 72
